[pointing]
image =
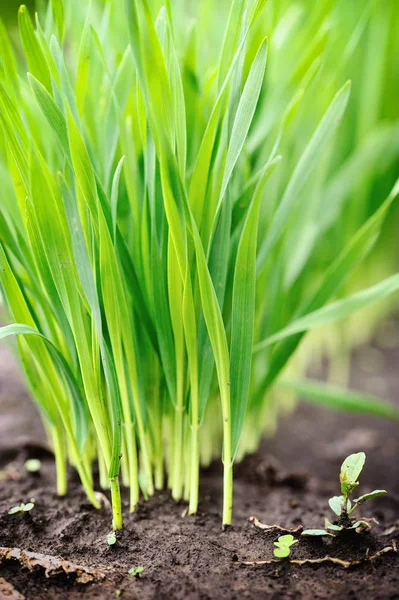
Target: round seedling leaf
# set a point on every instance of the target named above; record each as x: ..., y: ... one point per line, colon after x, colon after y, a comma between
x: 329, y: 525
x: 336, y: 504
x: 33, y: 465
x: 135, y: 571
x: 111, y: 538
x: 281, y: 552
x: 360, y: 526
x: 285, y: 539
x: 27, y: 507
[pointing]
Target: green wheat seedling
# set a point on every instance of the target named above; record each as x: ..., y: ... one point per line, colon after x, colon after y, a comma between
x: 144, y: 237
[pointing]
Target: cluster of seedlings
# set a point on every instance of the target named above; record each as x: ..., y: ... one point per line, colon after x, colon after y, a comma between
x: 342, y: 506
x: 168, y: 229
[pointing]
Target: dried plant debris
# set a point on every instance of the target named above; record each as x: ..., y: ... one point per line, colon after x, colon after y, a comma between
x: 8, y: 591
x: 256, y: 523
x: 51, y: 565
x: 346, y: 564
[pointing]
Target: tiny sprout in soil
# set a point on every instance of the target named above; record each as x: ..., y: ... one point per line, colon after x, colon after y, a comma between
x: 135, y: 571
x: 283, y: 546
x: 21, y: 508
x: 33, y: 465
x: 342, y: 505
x: 111, y: 538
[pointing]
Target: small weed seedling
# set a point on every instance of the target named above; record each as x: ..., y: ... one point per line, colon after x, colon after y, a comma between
x: 21, y: 508
x: 342, y: 506
x: 111, y: 538
x: 33, y: 465
x: 283, y: 546
x: 135, y: 571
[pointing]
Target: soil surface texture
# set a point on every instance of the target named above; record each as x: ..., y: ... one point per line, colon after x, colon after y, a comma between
x: 287, y: 483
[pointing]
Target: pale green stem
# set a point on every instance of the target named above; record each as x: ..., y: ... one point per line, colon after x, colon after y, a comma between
x: 104, y: 481
x: 125, y: 466
x: 194, y: 471
x: 76, y: 460
x: 87, y: 486
x: 159, y: 471
x: 116, y: 504
x: 227, y: 457
x: 86, y: 460
x: 177, y: 489
x: 158, y: 460
x: 60, y: 460
x: 187, y: 462
x: 133, y: 468
x: 227, y: 493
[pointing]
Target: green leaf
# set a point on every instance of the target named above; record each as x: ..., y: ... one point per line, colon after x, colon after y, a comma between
x: 7, y: 56
x: 360, y: 525
x: 134, y: 571
x: 34, y: 54
x: 319, y: 141
x: 337, y: 398
x: 369, y: 496
x: 243, y: 312
x: 336, y: 310
x: 329, y: 525
x: 285, y: 541
x: 111, y: 538
x: 281, y: 552
x: 353, y: 253
x: 316, y: 533
x: 245, y: 112
x: 51, y: 111
x: 114, y: 194
x: 336, y: 504
x: 27, y: 507
x: 57, y: 7
x: 14, y: 510
x: 350, y: 471
x: 230, y: 39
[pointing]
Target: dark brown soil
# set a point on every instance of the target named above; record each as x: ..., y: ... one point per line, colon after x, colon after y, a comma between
x: 288, y: 483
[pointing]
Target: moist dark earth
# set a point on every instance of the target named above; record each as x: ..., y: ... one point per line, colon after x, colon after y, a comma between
x: 287, y: 483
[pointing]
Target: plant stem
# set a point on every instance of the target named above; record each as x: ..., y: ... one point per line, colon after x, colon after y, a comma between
x: 124, y: 466
x: 177, y: 489
x: 227, y: 493
x: 133, y: 469
x: 187, y: 461
x: 116, y: 504
x: 194, y: 471
x: 103, y: 471
x: 227, y: 458
x: 87, y: 486
x: 158, y: 444
x: 86, y: 460
x: 60, y: 460
x: 159, y: 472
